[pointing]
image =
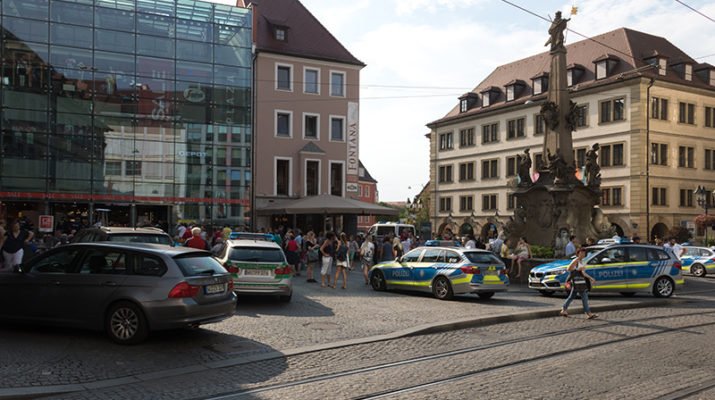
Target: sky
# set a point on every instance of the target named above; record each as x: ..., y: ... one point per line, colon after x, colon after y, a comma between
x: 421, y: 55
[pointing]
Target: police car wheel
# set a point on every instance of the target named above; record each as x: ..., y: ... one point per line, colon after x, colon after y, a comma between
x: 663, y: 287
x: 378, y: 281
x: 442, y: 289
x: 485, y: 295
x: 697, y: 270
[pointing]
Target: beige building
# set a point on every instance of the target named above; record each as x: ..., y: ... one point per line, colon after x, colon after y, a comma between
x: 649, y: 106
x: 306, y: 112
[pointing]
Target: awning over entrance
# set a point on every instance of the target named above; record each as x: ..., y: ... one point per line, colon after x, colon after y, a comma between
x: 325, y: 204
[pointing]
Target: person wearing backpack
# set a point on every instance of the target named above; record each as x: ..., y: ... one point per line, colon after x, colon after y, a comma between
x: 580, y: 282
x: 341, y: 256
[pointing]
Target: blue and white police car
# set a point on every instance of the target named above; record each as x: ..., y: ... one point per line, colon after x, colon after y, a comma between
x: 443, y: 271
x: 699, y: 261
x: 623, y: 268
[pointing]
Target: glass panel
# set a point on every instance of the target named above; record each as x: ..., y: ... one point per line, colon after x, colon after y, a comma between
x: 232, y: 76
x: 70, y: 13
x: 194, y: 72
x: 78, y: 186
x: 193, y: 30
x: 192, y: 92
x: 194, y: 51
x: 24, y: 100
x: 24, y: 64
x: 118, y: 4
x: 25, y: 120
x: 27, y: 145
x: 193, y: 113
x: 113, y: 41
x: 162, y: 7
x: 229, y: 55
x: 121, y: 20
x: 153, y: 184
x: 76, y: 105
x: 107, y: 84
x: 157, y: 25
x: 154, y: 46
x: 232, y: 36
x: 194, y: 10
x: 156, y: 99
x: 117, y: 105
x: 229, y: 15
x: 116, y: 63
x: 229, y: 95
x: 26, y: 29
x: 232, y: 115
x: 70, y: 35
x: 37, y: 9
x: 67, y: 57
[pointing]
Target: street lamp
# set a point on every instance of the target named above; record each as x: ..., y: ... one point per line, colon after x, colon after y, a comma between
x: 703, y: 197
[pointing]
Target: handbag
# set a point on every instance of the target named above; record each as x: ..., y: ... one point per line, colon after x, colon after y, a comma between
x: 312, y: 255
x: 579, y: 281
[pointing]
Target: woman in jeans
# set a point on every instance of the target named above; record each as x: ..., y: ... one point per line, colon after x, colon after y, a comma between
x: 327, y: 251
x: 577, y: 268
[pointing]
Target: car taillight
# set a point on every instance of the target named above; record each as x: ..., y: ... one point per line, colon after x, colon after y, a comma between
x: 230, y: 285
x: 284, y: 271
x: 502, y: 272
x: 183, y: 290
x: 230, y: 268
x: 678, y: 265
x: 468, y: 269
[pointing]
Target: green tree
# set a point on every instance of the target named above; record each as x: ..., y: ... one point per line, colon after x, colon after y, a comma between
x: 680, y: 233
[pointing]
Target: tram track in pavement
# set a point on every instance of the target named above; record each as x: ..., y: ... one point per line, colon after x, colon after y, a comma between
x: 482, y: 348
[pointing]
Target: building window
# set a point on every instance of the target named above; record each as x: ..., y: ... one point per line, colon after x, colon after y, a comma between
x: 282, y: 181
x: 466, y: 203
x: 617, y: 154
x: 582, y: 116
x: 659, y: 154
x: 601, y: 69
x: 490, y: 169
x: 710, y: 117
x: 612, y: 197
x: 539, y: 124
x: 510, y: 201
x: 510, y: 166
x: 283, y: 123
x: 612, y: 110
x: 485, y: 99
x: 686, y: 113
x: 466, y: 171
x: 659, y: 108
x: 311, y: 126
x: 445, y: 174
x: 515, y: 128
x: 489, y: 202
x: 336, y: 179
x: 337, y: 84
x: 490, y: 133
x: 280, y: 34
x: 463, y: 105
x: 312, y: 178
x: 337, y: 129
x: 283, y: 77
x: 445, y: 204
x: 709, y: 159
x: 658, y: 196
x: 113, y: 168
x: 538, y: 161
x: 606, y: 156
x: 686, y: 157
x: 367, y: 191
x: 445, y: 141
x: 686, y: 198
x: 311, y: 82
x: 580, y: 157
x: 466, y: 137
x: 133, y: 168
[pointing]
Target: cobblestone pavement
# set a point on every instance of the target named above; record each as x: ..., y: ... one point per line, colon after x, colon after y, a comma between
x: 188, y: 363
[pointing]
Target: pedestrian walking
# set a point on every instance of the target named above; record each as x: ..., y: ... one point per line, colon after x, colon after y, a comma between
x: 196, y: 241
x: 12, y: 246
x: 386, y: 252
x: 367, y: 253
x: 523, y: 252
x: 580, y: 283
x: 353, y: 247
x: 327, y: 251
x: 292, y: 253
x: 311, y: 255
x: 341, y: 257
x: 397, y: 248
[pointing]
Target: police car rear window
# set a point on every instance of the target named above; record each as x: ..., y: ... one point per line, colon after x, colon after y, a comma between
x: 657, y: 254
x: 256, y: 254
x: 482, y: 258
x: 139, y: 238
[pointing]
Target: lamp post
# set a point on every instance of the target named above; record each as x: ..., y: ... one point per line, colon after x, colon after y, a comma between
x: 703, y: 198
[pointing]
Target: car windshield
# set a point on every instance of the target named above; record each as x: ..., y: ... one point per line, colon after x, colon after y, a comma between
x: 482, y: 258
x: 195, y: 264
x: 139, y: 238
x: 256, y: 254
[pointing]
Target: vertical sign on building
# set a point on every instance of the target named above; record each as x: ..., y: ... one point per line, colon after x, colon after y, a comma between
x: 352, y: 158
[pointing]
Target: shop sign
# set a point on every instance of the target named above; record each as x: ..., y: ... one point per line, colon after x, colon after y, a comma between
x: 352, y: 187
x: 194, y: 94
x: 46, y: 223
x: 353, y: 162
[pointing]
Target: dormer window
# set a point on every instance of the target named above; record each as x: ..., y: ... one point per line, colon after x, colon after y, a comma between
x: 514, y: 89
x: 688, y: 72
x: 280, y: 33
x: 485, y: 99
x: 467, y: 101
x: 706, y: 72
x: 574, y: 72
x: 605, y: 65
x: 540, y: 83
x: 684, y: 70
x: 489, y: 95
x: 659, y: 60
x: 463, y: 107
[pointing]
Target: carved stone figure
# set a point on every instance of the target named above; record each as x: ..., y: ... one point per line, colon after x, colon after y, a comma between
x: 558, y: 26
x: 524, y: 168
x: 560, y: 243
x: 593, y: 170
x: 550, y: 112
x: 572, y: 116
x: 601, y: 225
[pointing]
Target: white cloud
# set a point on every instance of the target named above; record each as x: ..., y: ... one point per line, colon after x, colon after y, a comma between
x: 404, y: 7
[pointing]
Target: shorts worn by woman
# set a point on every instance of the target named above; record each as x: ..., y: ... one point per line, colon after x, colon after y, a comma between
x: 325, y: 268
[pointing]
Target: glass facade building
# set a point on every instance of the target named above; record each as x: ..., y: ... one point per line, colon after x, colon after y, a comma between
x: 140, y: 109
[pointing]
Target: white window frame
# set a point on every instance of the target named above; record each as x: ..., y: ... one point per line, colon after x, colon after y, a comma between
x: 305, y: 175
x: 275, y: 124
x: 602, y: 69
x: 290, y: 76
x: 275, y: 174
x: 305, y: 81
x: 345, y: 80
x: 317, y: 137
x: 330, y: 134
x: 330, y: 175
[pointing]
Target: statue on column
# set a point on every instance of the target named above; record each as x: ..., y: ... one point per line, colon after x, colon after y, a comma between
x: 523, y: 163
x: 558, y: 25
x: 593, y: 170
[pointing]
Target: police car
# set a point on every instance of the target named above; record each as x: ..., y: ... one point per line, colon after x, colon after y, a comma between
x: 622, y: 268
x: 443, y: 271
x: 699, y: 261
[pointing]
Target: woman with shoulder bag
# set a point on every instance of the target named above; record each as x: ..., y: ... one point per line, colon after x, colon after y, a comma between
x: 327, y: 251
x: 580, y: 282
x: 341, y: 255
x: 311, y: 249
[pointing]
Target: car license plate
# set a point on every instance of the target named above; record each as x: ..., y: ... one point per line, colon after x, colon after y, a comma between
x: 213, y: 289
x: 257, y: 272
x: 534, y: 280
x: 490, y: 272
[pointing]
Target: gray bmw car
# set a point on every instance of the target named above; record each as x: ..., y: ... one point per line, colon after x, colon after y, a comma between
x: 126, y: 290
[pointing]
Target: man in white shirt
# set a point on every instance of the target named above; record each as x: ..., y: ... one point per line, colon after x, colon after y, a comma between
x: 470, y: 243
x: 675, y: 247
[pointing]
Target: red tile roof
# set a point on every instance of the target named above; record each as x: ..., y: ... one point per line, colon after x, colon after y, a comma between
x: 306, y: 37
x: 631, y: 49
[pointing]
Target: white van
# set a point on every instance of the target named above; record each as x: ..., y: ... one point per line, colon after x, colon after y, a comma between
x: 381, y: 229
